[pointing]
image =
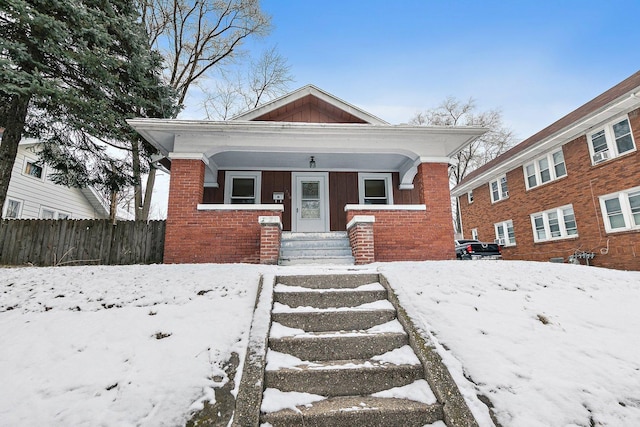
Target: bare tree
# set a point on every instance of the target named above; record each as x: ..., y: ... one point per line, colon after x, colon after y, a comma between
x: 497, y: 140
x: 194, y: 36
x: 453, y: 112
x: 200, y: 38
x: 266, y: 78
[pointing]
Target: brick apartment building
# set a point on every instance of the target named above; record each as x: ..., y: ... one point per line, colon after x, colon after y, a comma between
x: 570, y: 192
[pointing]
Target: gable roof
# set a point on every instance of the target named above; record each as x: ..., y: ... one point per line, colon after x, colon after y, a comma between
x: 333, y: 109
x: 621, y: 97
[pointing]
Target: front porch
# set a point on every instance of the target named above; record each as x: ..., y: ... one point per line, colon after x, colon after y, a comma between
x: 251, y: 233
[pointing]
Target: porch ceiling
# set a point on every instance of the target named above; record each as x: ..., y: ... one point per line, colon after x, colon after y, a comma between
x: 288, y: 146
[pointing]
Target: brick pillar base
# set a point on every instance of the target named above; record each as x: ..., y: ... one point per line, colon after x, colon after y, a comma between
x: 270, y: 234
x: 360, y: 230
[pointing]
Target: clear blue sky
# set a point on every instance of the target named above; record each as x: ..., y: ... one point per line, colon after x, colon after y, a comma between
x: 535, y: 60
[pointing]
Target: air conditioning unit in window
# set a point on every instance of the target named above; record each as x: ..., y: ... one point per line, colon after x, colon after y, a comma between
x: 601, y: 156
x: 505, y: 194
x: 500, y: 242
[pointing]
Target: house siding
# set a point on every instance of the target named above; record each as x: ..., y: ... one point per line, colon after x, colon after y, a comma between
x: 343, y: 190
x: 582, y: 187
x: 36, y: 193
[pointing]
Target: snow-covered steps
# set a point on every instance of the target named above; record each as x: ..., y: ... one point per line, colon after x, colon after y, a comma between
x: 315, y: 248
x: 338, y: 356
x: 351, y: 345
x: 358, y: 411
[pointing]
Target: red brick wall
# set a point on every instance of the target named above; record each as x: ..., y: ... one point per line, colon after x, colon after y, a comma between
x: 581, y: 187
x: 361, y: 239
x: 194, y: 236
x: 403, y: 235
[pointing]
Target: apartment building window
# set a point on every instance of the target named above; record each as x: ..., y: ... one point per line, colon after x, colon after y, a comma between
x: 621, y: 211
x: 241, y: 188
x: 499, y: 189
x: 554, y: 224
x: 375, y: 189
x: 14, y: 207
x: 544, y: 169
x: 505, y: 235
x: 610, y: 141
x: 470, y: 197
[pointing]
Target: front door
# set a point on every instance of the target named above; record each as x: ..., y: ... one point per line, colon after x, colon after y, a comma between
x: 310, y: 202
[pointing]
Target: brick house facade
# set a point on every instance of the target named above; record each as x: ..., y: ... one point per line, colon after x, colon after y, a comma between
x: 306, y: 162
x: 572, y: 190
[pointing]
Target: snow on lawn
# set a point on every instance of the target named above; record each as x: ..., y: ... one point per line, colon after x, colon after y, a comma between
x: 134, y: 345
x: 549, y: 344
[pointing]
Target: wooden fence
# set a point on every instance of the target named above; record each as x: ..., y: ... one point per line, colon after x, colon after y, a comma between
x: 80, y: 242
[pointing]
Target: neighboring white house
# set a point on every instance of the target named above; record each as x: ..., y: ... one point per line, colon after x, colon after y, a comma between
x: 32, y: 194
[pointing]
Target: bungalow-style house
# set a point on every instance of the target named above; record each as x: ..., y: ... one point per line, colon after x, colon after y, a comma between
x: 32, y: 195
x: 571, y: 192
x: 307, y: 162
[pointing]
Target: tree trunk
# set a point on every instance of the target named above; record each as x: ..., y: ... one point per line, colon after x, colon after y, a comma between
x: 14, y: 126
x: 113, y: 207
x: 148, y: 191
x: 137, y: 187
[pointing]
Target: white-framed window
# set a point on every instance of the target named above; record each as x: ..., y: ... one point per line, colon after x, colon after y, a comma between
x: 13, y: 209
x: 621, y: 211
x: 554, y: 224
x: 375, y: 189
x: 504, y: 233
x: 545, y: 169
x: 499, y: 189
x: 611, y: 140
x: 49, y: 213
x: 242, y: 187
x: 31, y: 168
x: 470, y: 196
x: 474, y: 233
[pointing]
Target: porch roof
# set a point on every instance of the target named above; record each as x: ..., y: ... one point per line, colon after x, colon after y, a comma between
x: 258, y: 145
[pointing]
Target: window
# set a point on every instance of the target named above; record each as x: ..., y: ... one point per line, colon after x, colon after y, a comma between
x: 545, y: 169
x: 13, y: 209
x: 554, y: 224
x: 499, y: 189
x: 611, y: 141
x: 375, y: 189
x: 621, y: 211
x: 474, y: 233
x: 32, y: 169
x: 504, y: 233
x: 470, y: 196
x: 242, y: 188
x: 48, y: 213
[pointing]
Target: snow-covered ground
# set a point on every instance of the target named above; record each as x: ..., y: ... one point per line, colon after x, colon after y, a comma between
x: 549, y: 344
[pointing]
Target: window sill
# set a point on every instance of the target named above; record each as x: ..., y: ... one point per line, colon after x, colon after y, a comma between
x: 613, y: 159
x: 498, y: 201
x: 557, y: 239
x: 624, y: 231
x: 553, y: 181
x: 221, y: 207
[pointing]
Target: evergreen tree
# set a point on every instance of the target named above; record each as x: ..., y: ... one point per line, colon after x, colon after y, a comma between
x: 71, y: 73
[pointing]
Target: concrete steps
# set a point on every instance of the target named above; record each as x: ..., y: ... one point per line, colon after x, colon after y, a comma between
x: 315, y: 248
x: 338, y: 337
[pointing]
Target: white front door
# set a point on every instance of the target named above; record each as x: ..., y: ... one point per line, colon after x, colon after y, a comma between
x: 310, y: 202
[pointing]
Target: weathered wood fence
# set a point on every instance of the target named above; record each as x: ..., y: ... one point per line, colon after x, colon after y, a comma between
x: 80, y: 242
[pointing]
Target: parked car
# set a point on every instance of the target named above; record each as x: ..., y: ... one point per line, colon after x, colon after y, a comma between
x: 473, y: 249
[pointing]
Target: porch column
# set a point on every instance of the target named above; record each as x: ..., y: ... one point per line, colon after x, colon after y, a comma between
x: 270, y: 236
x: 361, y: 237
x: 186, y: 188
x: 433, y: 184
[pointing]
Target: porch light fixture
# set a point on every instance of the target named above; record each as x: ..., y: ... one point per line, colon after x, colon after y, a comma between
x: 312, y: 162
